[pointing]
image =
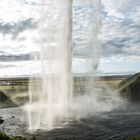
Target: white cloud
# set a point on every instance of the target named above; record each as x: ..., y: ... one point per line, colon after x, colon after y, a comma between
x: 18, y: 27
x: 121, y: 8
x: 120, y: 30
x: 12, y: 11
x: 119, y: 34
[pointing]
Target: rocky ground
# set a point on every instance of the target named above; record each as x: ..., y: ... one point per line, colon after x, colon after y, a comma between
x: 114, y: 125
x: 13, y: 121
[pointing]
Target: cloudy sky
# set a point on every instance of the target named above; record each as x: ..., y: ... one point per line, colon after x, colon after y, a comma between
x: 119, y: 35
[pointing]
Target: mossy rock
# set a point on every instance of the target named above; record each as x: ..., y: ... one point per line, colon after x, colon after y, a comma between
x: 130, y: 88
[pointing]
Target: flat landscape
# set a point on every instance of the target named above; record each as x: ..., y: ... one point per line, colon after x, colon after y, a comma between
x: 16, y: 89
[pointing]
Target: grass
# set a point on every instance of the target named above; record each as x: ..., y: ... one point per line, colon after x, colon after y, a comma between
x: 113, y: 84
x: 3, y: 136
x: 18, y: 93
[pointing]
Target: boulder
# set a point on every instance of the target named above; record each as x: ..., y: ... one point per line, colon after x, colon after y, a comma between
x: 130, y: 88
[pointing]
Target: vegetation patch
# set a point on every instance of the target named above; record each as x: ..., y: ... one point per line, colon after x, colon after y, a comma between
x: 134, y: 138
x: 3, y: 136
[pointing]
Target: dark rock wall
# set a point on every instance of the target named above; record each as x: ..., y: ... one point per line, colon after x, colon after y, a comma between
x: 130, y: 88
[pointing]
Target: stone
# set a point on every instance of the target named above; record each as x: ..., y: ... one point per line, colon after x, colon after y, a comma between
x: 1, y: 121
x: 130, y: 88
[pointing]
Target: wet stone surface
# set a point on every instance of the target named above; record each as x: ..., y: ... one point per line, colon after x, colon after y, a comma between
x: 114, y: 125
x: 1, y: 120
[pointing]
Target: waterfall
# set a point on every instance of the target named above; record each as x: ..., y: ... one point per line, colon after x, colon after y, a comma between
x: 51, y: 97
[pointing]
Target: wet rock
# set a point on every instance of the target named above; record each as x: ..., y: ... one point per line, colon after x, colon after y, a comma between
x: 1, y: 121
x: 130, y: 88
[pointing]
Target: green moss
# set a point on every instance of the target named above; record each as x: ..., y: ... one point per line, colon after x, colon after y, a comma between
x: 134, y: 138
x: 17, y: 138
x: 3, y: 136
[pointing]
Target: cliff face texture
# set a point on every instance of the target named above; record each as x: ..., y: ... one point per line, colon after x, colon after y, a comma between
x: 130, y: 88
